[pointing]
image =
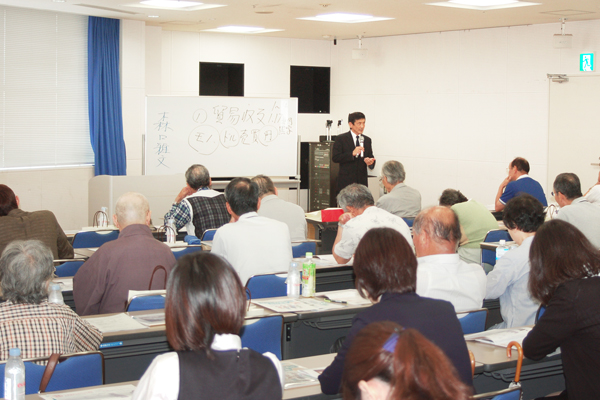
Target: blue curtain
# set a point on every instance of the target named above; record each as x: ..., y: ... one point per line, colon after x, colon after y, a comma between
x: 104, y: 97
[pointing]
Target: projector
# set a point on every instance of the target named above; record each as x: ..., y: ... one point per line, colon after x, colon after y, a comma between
x: 359, y: 54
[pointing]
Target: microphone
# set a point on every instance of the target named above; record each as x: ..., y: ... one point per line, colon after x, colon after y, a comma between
x: 361, y: 140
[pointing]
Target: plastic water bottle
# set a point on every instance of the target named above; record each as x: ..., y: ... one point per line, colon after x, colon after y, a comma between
x: 55, y: 296
x: 171, y: 231
x: 309, y: 281
x: 102, y: 218
x: 293, y: 280
x: 14, y: 376
x: 501, y: 249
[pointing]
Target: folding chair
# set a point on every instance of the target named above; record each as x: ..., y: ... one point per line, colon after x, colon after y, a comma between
x: 146, y: 302
x: 301, y: 249
x: 495, y: 235
x: 409, y: 221
x: 473, y: 321
x: 179, y: 252
x: 93, y: 238
x: 263, y: 334
x: 269, y: 285
x: 514, y: 391
x: 68, y: 268
x: 72, y: 371
x: 33, y: 375
x: 208, y: 234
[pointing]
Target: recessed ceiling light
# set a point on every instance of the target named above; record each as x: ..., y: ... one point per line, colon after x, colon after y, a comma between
x: 170, y: 3
x: 483, y: 5
x: 242, y: 29
x: 152, y: 16
x: 346, y: 18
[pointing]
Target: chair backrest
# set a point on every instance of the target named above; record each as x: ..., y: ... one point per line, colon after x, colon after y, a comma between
x: 263, y: 334
x: 182, y: 251
x: 77, y: 370
x: 33, y: 377
x: 68, y: 268
x: 271, y: 285
x: 512, y: 393
x: 208, y: 234
x: 409, y: 221
x: 539, y: 313
x: 146, y: 302
x: 301, y: 249
x: 495, y: 235
x: 474, y: 321
x: 93, y: 239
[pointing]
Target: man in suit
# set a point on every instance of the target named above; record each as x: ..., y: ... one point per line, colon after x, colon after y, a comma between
x: 353, y: 151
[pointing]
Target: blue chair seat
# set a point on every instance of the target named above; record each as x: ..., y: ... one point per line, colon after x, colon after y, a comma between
x: 489, y: 256
x: 474, y: 321
x: 68, y: 268
x: 93, y: 238
x: 261, y: 286
x: 301, y: 249
x: 179, y: 252
x: 263, y: 334
x: 147, y: 302
x: 77, y: 370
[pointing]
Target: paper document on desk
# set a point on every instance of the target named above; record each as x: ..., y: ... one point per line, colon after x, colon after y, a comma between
x: 298, y: 376
x: 154, y: 319
x: 115, y: 323
x: 101, y: 393
x: 291, y: 305
x: 350, y: 296
x: 132, y: 293
x: 327, y: 260
x: 66, y: 284
x: 500, y: 337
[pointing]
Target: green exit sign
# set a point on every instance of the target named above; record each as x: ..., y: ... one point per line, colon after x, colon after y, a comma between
x: 586, y: 62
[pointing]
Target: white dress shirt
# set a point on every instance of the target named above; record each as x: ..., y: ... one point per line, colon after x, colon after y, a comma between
x: 161, y: 379
x: 290, y: 214
x: 372, y: 217
x: 254, y: 245
x: 447, y: 277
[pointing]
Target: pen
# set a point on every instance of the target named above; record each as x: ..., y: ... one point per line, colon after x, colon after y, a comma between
x: 325, y: 298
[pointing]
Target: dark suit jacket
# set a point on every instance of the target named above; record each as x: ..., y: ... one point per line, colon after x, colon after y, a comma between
x: 434, y: 319
x: 572, y: 322
x: 352, y: 169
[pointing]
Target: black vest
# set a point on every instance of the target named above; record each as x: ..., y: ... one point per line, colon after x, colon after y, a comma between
x: 227, y: 375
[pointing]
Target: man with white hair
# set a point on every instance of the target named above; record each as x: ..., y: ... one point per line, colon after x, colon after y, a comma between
x: 400, y: 200
x: 103, y: 282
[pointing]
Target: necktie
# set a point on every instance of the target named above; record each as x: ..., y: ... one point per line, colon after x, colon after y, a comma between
x: 357, y: 142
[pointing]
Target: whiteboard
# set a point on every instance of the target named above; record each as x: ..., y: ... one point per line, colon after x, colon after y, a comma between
x: 573, y: 126
x: 231, y: 136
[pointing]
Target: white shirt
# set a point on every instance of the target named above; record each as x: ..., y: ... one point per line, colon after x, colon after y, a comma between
x: 254, y: 245
x: 161, y: 379
x: 509, y: 282
x: 594, y: 195
x: 356, y: 228
x: 290, y: 214
x: 447, y: 277
x: 585, y: 216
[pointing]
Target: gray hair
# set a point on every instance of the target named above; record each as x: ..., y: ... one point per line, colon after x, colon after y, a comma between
x: 25, y: 269
x: 393, y: 172
x: 355, y: 195
x: 197, y: 176
x: 439, y: 223
x: 132, y: 208
x: 265, y: 185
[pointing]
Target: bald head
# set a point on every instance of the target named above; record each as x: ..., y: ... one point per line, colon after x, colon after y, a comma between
x: 131, y: 208
x: 436, y: 231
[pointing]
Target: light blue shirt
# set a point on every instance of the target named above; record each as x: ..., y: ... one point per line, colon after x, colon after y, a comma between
x: 509, y: 281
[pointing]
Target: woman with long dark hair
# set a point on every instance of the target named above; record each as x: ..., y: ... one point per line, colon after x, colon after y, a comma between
x: 388, y: 362
x: 564, y: 278
x: 204, y: 312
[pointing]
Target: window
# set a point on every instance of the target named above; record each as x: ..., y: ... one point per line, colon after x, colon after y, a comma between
x: 43, y: 89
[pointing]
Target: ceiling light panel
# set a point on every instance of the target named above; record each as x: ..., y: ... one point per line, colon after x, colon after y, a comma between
x: 345, y: 18
x: 242, y: 29
x: 174, y: 5
x: 483, y: 5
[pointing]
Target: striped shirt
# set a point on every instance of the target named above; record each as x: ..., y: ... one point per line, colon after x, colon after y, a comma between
x: 42, y: 329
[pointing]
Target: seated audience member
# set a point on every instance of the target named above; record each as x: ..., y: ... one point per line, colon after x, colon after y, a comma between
x: 400, y: 200
x: 388, y: 362
x: 252, y: 244
x: 27, y: 320
x: 508, y: 280
x: 475, y: 222
x: 576, y: 209
x: 103, y: 282
x: 386, y: 273
x: 518, y: 182
x: 441, y: 273
x: 197, y: 206
x: 564, y: 278
x: 273, y: 207
x: 593, y: 194
x: 360, y: 216
x: 16, y: 224
x: 204, y: 313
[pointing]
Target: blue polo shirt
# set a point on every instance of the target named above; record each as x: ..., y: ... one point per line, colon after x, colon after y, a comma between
x: 524, y: 185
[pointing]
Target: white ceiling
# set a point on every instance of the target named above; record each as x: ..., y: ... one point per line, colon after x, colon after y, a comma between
x: 410, y: 16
